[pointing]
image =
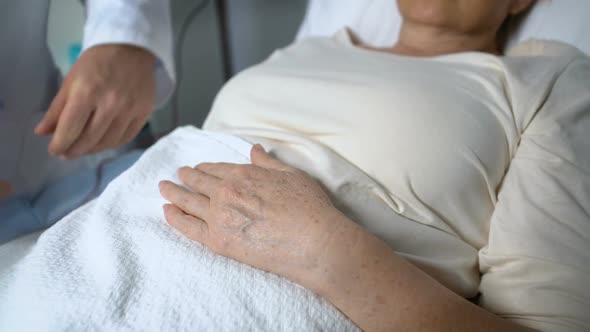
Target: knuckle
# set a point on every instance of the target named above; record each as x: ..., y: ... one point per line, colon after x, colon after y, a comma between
x: 203, y: 167
x: 184, y: 200
x: 83, y: 91
x: 252, y: 169
x: 127, y: 104
x: 184, y: 174
x: 241, y: 172
x: 94, y: 131
x: 228, y: 191
x: 111, y: 100
x: 225, y: 190
x: 194, y: 181
x: 245, y: 171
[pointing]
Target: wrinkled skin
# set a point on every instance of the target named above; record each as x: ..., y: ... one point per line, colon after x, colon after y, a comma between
x: 267, y: 214
x: 103, y: 103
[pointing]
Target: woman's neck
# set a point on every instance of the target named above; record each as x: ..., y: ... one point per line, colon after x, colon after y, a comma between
x: 423, y: 40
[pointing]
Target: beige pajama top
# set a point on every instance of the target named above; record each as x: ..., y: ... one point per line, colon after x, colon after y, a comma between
x: 474, y: 167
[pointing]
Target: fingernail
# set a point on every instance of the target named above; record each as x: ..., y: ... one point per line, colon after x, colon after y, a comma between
x: 259, y: 147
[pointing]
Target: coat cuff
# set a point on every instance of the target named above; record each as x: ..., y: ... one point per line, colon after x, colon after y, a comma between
x: 141, y: 23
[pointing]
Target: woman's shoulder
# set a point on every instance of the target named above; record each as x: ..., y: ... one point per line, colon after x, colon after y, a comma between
x: 543, y: 47
x: 534, y: 69
x: 566, y: 106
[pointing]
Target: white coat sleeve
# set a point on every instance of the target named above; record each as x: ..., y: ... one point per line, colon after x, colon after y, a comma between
x: 142, y: 23
x: 536, y: 266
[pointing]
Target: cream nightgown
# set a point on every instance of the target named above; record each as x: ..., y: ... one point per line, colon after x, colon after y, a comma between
x: 485, y: 160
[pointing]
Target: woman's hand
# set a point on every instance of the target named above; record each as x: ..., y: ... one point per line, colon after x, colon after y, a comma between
x: 267, y: 214
x: 278, y: 219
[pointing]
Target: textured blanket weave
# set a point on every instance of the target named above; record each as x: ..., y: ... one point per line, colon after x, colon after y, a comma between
x: 115, y: 265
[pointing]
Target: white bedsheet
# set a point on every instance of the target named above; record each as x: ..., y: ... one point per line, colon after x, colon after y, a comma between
x: 115, y: 264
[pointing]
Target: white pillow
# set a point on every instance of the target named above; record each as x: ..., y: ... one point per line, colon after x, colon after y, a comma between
x: 377, y: 22
x: 567, y: 21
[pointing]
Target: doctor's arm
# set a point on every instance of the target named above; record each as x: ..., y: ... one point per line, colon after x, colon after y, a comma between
x: 112, y: 89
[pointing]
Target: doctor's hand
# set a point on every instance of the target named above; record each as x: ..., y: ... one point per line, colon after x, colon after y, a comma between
x: 267, y: 215
x: 103, y: 103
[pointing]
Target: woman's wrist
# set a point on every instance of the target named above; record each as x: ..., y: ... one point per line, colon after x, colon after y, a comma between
x: 333, y: 255
x: 378, y: 290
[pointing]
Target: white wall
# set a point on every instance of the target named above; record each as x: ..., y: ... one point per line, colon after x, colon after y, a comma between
x: 258, y: 27
x: 66, y: 23
x: 201, y: 65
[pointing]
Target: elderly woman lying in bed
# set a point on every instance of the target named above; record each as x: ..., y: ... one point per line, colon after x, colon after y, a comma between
x: 471, y: 165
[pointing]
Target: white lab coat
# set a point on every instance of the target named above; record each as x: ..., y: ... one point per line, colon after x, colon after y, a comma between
x: 143, y: 23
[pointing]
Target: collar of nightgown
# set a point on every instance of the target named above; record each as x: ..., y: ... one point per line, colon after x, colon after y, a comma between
x: 531, y: 47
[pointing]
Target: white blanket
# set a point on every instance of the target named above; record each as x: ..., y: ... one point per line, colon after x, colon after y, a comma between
x: 116, y: 265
